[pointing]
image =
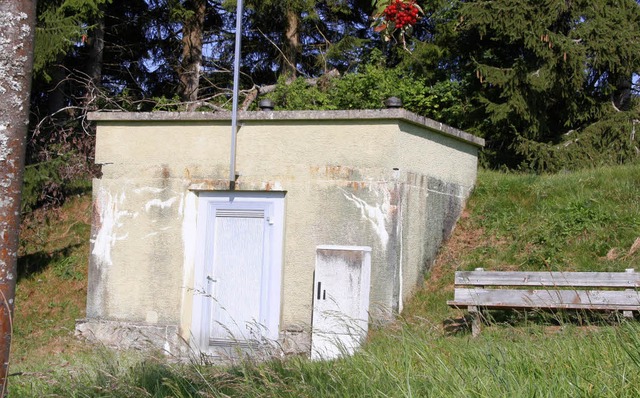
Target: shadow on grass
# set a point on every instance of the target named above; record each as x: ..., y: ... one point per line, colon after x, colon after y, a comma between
x: 515, y: 318
x: 35, y: 263
x: 454, y: 326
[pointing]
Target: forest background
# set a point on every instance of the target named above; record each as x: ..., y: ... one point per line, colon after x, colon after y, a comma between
x: 551, y: 85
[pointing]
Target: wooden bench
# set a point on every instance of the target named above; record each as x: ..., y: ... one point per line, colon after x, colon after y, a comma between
x: 598, y: 291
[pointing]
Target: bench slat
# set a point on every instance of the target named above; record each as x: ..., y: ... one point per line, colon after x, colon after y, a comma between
x: 570, y: 299
x: 627, y: 280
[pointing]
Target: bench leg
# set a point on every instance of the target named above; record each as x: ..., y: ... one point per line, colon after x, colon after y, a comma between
x: 627, y: 314
x: 476, y: 322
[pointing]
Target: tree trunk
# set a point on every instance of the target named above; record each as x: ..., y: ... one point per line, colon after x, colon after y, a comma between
x: 291, y: 46
x: 17, y: 19
x: 94, y: 63
x: 56, y: 98
x: 621, y: 97
x: 192, y: 32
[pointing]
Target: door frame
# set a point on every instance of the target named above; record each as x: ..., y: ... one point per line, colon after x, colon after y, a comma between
x: 208, y: 202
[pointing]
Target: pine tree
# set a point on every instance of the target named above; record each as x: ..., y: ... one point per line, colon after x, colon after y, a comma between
x: 60, y: 25
x: 303, y: 38
x: 540, y: 69
x: 192, y: 14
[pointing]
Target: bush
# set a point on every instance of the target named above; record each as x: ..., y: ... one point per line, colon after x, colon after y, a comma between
x: 369, y: 87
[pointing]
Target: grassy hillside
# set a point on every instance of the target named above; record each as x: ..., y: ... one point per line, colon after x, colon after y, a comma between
x: 580, y: 221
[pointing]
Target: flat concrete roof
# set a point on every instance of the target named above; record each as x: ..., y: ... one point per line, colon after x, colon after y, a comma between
x: 367, y: 114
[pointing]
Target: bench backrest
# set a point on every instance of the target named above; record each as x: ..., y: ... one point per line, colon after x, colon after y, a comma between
x: 577, y: 290
x: 552, y: 279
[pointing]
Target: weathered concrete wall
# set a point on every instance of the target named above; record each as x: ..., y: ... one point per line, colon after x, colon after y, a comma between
x: 388, y: 181
x: 137, y: 250
x: 430, y: 209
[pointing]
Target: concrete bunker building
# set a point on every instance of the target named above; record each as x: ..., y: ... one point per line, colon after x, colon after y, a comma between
x: 331, y: 212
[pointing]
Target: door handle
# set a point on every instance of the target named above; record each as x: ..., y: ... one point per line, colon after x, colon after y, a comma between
x: 322, y: 294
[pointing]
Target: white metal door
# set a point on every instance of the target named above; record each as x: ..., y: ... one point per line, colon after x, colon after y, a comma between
x: 341, y: 300
x: 240, y: 254
x: 240, y: 267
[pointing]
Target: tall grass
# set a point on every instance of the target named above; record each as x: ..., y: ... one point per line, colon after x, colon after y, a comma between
x: 410, y: 362
x: 580, y: 221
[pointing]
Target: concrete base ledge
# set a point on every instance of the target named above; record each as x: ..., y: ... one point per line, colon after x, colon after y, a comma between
x: 123, y: 335
x: 130, y: 335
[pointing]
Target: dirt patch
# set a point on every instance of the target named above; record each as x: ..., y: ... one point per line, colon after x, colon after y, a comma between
x: 465, y: 238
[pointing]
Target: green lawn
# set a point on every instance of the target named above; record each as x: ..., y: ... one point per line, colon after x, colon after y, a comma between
x: 586, y: 220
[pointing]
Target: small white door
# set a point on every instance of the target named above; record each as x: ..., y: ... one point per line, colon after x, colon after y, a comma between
x: 341, y: 300
x: 240, y: 268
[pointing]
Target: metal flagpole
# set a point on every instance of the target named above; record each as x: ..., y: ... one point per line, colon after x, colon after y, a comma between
x: 234, y: 111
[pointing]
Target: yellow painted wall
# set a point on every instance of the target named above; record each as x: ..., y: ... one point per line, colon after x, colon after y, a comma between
x: 389, y: 180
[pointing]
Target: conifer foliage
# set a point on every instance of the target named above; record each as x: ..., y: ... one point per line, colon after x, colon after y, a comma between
x: 542, y: 69
x: 61, y: 24
x: 550, y: 84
